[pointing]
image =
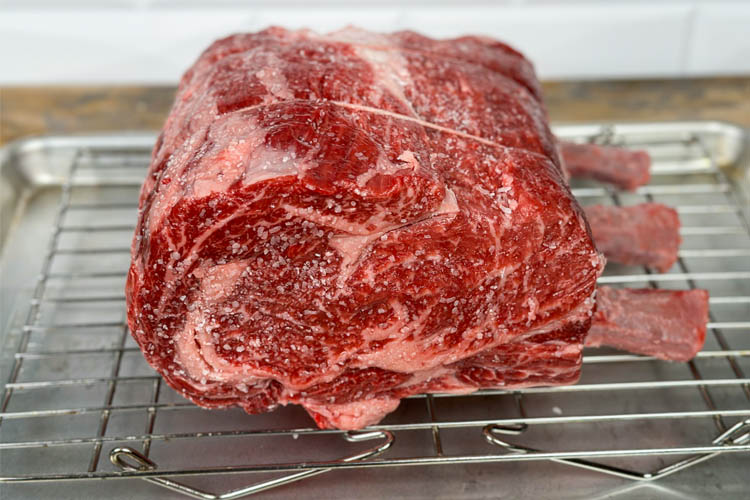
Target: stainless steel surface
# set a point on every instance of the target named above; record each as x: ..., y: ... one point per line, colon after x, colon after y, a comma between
x: 79, y: 390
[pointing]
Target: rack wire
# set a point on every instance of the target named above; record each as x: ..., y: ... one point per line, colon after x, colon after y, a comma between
x: 80, y: 388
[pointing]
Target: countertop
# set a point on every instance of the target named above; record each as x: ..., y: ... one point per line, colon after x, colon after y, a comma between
x: 28, y: 111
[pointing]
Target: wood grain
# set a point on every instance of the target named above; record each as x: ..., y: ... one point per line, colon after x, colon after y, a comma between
x: 26, y: 111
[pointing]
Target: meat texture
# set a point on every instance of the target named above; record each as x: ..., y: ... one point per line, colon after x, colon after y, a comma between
x: 626, y: 169
x: 667, y: 324
x: 344, y: 220
x: 647, y: 234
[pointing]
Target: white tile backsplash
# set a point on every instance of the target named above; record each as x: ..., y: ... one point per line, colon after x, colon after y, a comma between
x: 324, y: 19
x: 589, y: 41
x: 720, y: 40
x: 153, y: 41
x: 98, y: 47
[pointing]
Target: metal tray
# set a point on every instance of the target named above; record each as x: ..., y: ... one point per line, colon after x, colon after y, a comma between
x: 81, y: 403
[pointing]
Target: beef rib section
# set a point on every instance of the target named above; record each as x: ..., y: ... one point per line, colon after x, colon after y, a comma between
x: 666, y: 324
x: 344, y: 220
x: 620, y: 167
x: 645, y: 234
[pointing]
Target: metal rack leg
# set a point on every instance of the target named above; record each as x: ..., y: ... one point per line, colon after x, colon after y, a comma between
x: 129, y: 459
x: 738, y: 434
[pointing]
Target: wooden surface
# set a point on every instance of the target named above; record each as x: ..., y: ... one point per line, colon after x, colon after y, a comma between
x: 28, y: 111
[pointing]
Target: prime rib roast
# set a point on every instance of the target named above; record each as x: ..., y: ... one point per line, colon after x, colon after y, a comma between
x: 340, y: 221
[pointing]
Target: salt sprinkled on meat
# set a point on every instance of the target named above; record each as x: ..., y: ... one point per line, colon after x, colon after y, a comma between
x: 378, y: 218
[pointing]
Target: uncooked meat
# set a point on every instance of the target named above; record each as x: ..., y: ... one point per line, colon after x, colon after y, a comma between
x: 344, y: 220
x: 667, y: 324
x: 626, y: 169
x: 647, y: 234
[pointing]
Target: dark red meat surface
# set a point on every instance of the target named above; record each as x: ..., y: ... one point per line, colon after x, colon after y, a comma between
x: 647, y: 234
x: 345, y: 220
x: 626, y: 169
x: 667, y: 324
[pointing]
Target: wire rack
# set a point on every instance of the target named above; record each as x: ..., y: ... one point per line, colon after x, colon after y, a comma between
x: 80, y: 389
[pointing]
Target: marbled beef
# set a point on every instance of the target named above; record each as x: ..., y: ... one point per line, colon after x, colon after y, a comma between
x: 343, y: 220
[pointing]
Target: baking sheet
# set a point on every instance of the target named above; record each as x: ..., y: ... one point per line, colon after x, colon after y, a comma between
x: 34, y: 171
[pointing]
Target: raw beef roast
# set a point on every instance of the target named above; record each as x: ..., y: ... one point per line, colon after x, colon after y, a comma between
x: 341, y: 221
x: 667, y: 324
x: 646, y: 234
